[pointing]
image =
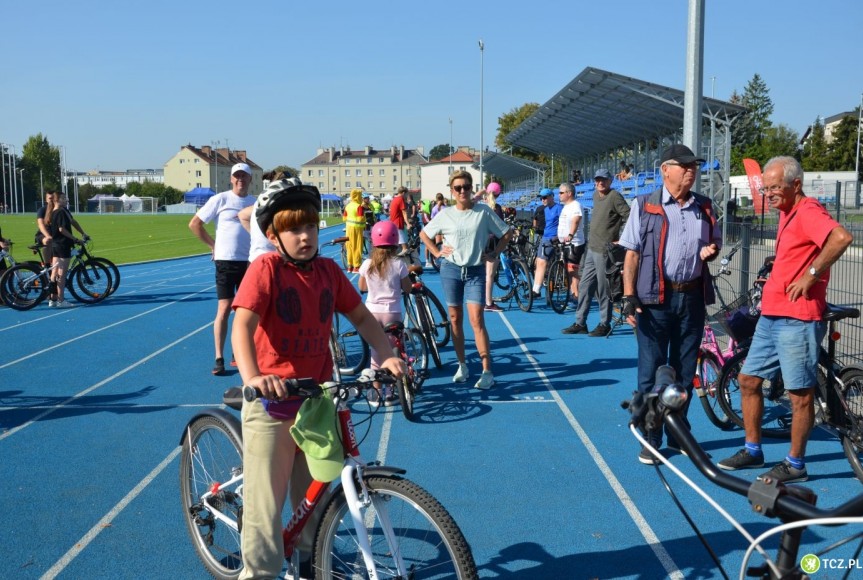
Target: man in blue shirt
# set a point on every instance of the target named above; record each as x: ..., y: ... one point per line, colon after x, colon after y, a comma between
x: 549, y: 233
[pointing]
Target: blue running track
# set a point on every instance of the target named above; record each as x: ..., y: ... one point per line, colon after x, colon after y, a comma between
x: 540, y: 472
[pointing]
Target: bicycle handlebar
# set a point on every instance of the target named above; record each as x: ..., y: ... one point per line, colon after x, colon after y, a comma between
x: 308, y: 388
x: 770, y: 498
x: 727, y: 258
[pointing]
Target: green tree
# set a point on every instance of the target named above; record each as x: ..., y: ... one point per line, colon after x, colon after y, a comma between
x: 41, y: 163
x: 779, y: 140
x: 751, y: 129
x: 842, y: 149
x: 508, y: 122
x: 440, y: 151
x: 814, y: 156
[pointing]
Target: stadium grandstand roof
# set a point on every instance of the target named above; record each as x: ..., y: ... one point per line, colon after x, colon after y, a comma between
x: 507, y: 166
x: 599, y: 111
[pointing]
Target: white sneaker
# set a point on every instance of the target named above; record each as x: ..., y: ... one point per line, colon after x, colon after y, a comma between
x: 461, y: 374
x: 429, y: 265
x: 374, y: 398
x: 63, y: 304
x: 52, y: 304
x: 486, y: 380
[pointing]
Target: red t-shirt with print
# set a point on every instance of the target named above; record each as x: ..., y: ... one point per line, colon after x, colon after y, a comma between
x: 296, y: 310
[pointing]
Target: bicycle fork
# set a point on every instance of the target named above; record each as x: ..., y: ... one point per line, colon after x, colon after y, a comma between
x: 352, y: 495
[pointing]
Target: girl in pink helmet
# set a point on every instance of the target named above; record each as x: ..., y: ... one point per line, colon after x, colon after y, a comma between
x: 384, y: 276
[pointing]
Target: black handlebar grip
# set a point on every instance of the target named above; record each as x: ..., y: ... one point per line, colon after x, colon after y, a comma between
x: 250, y: 393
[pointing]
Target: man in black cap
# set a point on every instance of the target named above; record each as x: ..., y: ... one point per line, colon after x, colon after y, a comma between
x: 610, y: 212
x: 669, y: 236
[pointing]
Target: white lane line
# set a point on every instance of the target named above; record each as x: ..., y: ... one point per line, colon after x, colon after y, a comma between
x: 101, y: 383
x: 385, y: 438
x: 106, y: 520
x: 647, y: 532
x: 98, y: 330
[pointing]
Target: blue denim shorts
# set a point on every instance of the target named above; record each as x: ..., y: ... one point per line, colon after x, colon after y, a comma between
x: 798, y: 342
x: 462, y: 285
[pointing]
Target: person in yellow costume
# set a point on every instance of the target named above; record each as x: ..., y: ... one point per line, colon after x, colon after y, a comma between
x: 355, y: 224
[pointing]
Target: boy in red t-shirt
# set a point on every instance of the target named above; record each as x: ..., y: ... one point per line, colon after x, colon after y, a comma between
x: 283, y: 314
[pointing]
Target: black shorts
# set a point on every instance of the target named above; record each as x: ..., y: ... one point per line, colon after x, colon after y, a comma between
x: 572, y: 254
x: 229, y: 274
x: 62, y: 249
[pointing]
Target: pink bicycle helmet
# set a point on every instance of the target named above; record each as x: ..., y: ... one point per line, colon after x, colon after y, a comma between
x: 493, y: 188
x: 385, y: 233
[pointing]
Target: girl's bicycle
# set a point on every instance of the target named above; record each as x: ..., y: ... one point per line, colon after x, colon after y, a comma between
x: 375, y: 523
x: 511, y: 275
x: 410, y: 346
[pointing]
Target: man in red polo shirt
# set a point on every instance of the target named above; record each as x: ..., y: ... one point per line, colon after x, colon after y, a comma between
x: 791, y: 327
x: 399, y: 215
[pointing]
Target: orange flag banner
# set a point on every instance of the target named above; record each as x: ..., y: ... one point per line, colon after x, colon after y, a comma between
x: 753, y: 172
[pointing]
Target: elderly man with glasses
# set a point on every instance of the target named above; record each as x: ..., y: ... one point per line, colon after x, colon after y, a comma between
x: 669, y: 236
x: 791, y: 327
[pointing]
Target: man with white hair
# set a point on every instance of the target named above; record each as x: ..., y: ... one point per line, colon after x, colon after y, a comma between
x: 230, y: 248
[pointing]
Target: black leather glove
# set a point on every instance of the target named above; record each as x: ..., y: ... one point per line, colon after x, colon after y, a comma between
x: 630, y: 304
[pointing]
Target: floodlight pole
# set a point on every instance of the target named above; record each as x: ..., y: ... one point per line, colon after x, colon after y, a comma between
x: 481, y: 128
x: 450, y: 146
x: 694, y: 82
x: 857, y: 158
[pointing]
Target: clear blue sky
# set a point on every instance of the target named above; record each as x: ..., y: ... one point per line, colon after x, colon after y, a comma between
x: 126, y: 84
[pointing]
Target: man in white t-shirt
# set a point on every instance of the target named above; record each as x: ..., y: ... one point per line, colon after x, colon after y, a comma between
x: 570, y: 231
x: 230, y: 248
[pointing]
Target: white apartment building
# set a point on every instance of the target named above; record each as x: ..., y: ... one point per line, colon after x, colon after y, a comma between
x: 379, y: 172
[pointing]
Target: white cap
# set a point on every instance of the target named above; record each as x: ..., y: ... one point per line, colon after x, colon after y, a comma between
x: 241, y: 167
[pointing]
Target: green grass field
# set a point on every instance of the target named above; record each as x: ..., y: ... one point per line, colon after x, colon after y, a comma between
x: 122, y: 238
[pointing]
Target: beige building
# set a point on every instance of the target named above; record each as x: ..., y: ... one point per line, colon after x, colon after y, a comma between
x: 380, y: 172
x: 192, y: 167
x: 436, y: 173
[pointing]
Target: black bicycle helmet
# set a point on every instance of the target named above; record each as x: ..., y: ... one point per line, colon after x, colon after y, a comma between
x: 283, y: 194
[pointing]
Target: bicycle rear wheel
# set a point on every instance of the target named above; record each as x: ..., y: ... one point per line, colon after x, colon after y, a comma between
x: 776, y: 420
x: 558, y: 286
x: 439, y: 317
x: 89, y: 282
x: 707, y: 376
x: 355, y: 351
x: 212, y: 455
x: 115, y: 273
x: 852, y: 441
x: 502, y: 279
x: 425, y: 539
x: 522, y: 285
x: 23, y: 286
x: 428, y: 330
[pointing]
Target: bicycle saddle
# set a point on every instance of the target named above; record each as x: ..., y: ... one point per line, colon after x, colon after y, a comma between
x: 394, y: 327
x: 835, y: 312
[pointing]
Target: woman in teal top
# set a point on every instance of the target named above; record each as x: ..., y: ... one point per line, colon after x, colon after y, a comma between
x: 465, y: 228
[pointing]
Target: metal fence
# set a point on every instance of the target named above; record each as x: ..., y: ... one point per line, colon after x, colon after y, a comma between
x: 846, y: 277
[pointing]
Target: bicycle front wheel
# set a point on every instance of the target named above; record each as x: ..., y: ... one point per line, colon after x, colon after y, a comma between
x: 211, y: 457
x: 89, y: 282
x: 852, y: 442
x: 23, y: 286
x: 425, y: 542
x: 558, y: 286
x: 115, y: 273
x: 776, y: 420
x: 707, y: 376
x: 522, y: 285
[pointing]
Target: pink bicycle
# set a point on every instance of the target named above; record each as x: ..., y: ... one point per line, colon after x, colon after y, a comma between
x: 711, y: 356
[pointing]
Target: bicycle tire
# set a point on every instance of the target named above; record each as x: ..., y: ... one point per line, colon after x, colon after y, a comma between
x: 211, y: 454
x: 335, y: 351
x: 355, y: 350
x: 441, y: 322
x: 707, y: 374
x: 115, y: 273
x: 406, y: 388
x: 428, y: 330
x: 428, y: 538
x: 776, y: 420
x: 558, y: 286
x: 417, y: 350
x: 89, y: 282
x: 523, y: 286
x: 852, y: 394
x: 23, y: 286
x: 498, y: 275
x: 344, y: 254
